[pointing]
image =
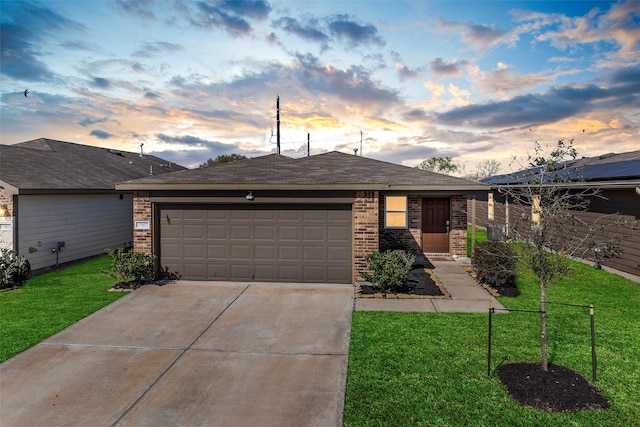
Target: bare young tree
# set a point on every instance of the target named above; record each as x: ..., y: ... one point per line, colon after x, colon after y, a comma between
x: 550, y: 194
x: 487, y: 168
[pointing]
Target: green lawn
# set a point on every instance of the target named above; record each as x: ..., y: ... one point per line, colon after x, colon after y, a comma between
x: 430, y: 369
x: 481, y: 236
x: 50, y: 302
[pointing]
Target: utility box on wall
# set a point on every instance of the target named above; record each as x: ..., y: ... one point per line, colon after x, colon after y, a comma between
x: 495, y: 232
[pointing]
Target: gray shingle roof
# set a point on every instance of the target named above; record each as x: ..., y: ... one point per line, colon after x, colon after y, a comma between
x: 329, y: 170
x: 45, y: 165
x: 606, y: 169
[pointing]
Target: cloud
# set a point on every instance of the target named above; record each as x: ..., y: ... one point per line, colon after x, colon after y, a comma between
x: 89, y: 121
x: 618, y: 25
x: 101, y: 83
x: 620, y: 89
x: 444, y: 69
x: 138, y: 8
x: 353, y: 85
x: 232, y: 16
x: 481, y: 37
x: 505, y: 79
x: 153, y: 49
x: 344, y: 28
x: 192, y: 151
x: 100, y: 134
x: 308, y: 31
x: 21, y: 44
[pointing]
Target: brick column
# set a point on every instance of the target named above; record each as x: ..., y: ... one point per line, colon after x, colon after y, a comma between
x: 142, y: 239
x: 7, y: 199
x: 458, y: 237
x: 365, y: 229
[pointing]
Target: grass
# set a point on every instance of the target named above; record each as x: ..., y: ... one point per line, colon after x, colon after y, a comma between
x: 481, y: 236
x: 50, y: 302
x: 430, y: 369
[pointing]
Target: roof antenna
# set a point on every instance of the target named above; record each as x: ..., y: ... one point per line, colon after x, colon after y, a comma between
x: 308, y: 144
x: 361, y: 143
x: 278, y: 123
x: 141, y: 153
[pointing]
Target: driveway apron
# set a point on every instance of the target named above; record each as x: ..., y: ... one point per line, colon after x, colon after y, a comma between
x: 191, y: 354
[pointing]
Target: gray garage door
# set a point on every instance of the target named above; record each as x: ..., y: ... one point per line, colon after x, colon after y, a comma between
x: 257, y: 243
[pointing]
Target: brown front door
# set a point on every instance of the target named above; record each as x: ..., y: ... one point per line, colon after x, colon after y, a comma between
x: 435, y: 226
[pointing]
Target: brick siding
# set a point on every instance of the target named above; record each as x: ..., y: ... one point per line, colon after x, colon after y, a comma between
x: 7, y: 199
x: 365, y: 229
x: 142, y: 211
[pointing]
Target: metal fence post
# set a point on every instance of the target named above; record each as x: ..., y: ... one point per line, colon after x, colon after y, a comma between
x: 593, y: 343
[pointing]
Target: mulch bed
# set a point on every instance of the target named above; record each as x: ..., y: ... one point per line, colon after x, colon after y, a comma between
x: 558, y: 390
x: 504, y: 291
x: 422, y: 283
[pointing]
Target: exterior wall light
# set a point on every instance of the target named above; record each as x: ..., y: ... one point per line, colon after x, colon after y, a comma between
x: 4, y: 211
x: 250, y: 195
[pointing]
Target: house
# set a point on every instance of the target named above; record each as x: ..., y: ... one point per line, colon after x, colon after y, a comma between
x: 312, y: 219
x: 617, y: 176
x: 58, y: 201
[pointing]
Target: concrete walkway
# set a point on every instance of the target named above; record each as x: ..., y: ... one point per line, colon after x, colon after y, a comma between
x: 191, y: 354
x: 467, y: 296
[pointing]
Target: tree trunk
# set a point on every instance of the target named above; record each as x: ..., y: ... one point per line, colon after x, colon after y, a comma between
x: 543, y: 327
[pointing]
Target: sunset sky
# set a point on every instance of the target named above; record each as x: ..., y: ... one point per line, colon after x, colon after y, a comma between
x: 191, y: 80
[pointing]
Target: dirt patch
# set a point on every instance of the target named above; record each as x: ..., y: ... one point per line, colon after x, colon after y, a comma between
x: 558, y: 390
x: 422, y: 283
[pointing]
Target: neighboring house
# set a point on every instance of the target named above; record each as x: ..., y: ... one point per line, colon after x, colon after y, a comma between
x: 617, y: 176
x: 312, y: 219
x: 54, y: 191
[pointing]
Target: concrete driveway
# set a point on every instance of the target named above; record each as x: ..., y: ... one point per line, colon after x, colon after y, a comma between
x: 191, y: 354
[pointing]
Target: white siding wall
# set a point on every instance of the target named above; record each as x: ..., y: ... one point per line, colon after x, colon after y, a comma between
x: 86, y: 223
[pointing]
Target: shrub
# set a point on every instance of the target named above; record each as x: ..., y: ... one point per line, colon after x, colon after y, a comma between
x: 389, y: 269
x: 14, y: 269
x: 129, y: 266
x: 495, y: 264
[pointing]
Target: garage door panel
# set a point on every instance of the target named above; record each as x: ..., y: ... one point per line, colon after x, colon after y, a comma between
x: 218, y: 214
x: 314, y: 253
x: 193, y: 270
x: 192, y: 252
x: 289, y: 273
x: 265, y: 272
x: 218, y: 252
x: 337, y: 253
x: 171, y: 232
x: 289, y: 233
x: 239, y: 214
x: 217, y: 270
x: 194, y: 231
x: 258, y: 243
x: 265, y: 253
x: 314, y: 233
x: 289, y: 215
x: 241, y: 272
x: 265, y: 232
x: 288, y: 253
x: 217, y: 231
x: 266, y: 215
x: 336, y: 274
x: 240, y: 232
x: 241, y: 252
x: 337, y: 233
x: 194, y: 215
